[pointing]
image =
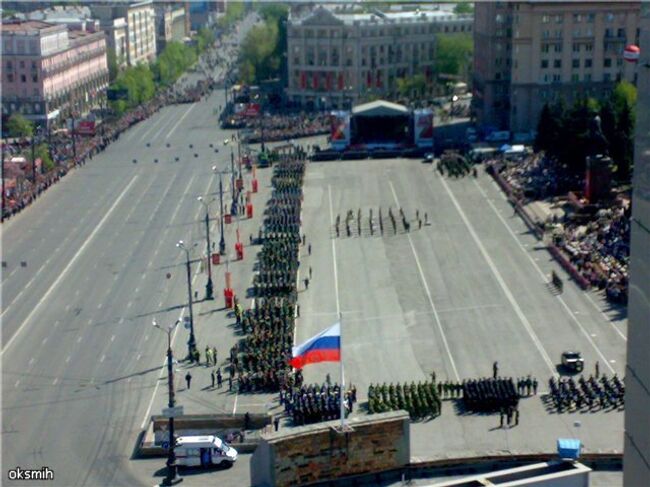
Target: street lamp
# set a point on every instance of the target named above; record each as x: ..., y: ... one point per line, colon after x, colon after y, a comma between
x: 191, y: 344
x: 208, y: 286
x: 172, y: 473
x: 222, y: 241
x: 233, y: 207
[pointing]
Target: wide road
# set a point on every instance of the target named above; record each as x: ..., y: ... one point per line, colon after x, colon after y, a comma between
x: 86, y: 272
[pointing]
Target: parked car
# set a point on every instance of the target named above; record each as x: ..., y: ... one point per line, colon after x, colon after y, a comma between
x: 572, y: 360
x: 203, y: 451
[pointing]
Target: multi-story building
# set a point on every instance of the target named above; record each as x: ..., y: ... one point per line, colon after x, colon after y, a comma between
x: 337, y: 58
x: 117, y: 39
x: 636, y: 460
x: 140, y: 27
x: 170, y: 23
x: 529, y: 53
x: 49, y: 72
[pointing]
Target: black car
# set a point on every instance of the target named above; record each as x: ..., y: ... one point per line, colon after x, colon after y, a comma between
x: 573, y: 360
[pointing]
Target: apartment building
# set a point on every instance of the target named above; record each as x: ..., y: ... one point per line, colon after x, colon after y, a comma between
x: 140, y: 21
x: 529, y: 53
x: 50, y: 72
x: 170, y: 23
x: 337, y: 58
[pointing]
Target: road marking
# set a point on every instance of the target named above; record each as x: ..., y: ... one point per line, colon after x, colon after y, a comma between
x: 31, y: 361
x: 54, y: 382
x: 502, y: 283
x: 137, y: 289
x: 146, y: 337
x: 607, y: 318
x: 234, y: 407
x: 56, y: 323
x: 78, y: 339
x: 559, y: 297
x: 17, y: 382
x: 67, y: 359
x: 76, y: 293
x: 129, y: 304
x: 103, y: 358
x: 44, y: 341
x: 179, y: 121
x: 428, y: 292
x: 67, y: 267
x: 121, y: 321
x: 142, y: 276
x: 153, y: 125
x: 99, y: 306
x: 113, y: 338
x: 138, y: 357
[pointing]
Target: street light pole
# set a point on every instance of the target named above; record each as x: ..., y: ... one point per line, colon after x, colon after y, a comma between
x: 232, y: 178
x: 191, y: 344
x: 222, y: 242
x: 172, y: 472
x: 33, y: 162
x: 208, y: 286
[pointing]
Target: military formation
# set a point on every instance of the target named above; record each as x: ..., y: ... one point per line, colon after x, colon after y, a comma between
x: 490, y: 394
x: 568, y: 395
x: 377, y: 223
x: 455, y: 165
x: 421, y: 400
x: 316, y: 403
x: 260, y: 362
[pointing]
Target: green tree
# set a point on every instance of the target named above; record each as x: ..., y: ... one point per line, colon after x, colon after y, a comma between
x: 19, y: 126
x: 622, y: 143
x: 235, y: 11
x: 464, y: 8
x: 453, y: 53
x: 624, y: 94
x: 113, y: 68
x: 41, y: 152
x: 548, y: 129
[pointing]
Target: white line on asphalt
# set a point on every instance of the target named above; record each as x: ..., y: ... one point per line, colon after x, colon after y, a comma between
x: 139, y: 356
x: 130, y: 303
x: 78, y: 339
x: 502, y: 283
x: 113, y: 338
x: 31, y: 361
x: 54, y: 382
x: 607, y: 318
x: 136, y: 290
x: 336, y: 278
x: 428, y: 292
x: 153, y: 125
x: 234, y: 407
x: 56, y: 323
x: 146, y: 337
x: 17, y: 382
x: 143, y: 276
x: 67, y: 268
x: 544, y: 277
x: 44, y: 341
x: 67, y: 359
x: 99, y: 306
x: 103, y: 358
x: 179, y: 121
x: 121, y: 321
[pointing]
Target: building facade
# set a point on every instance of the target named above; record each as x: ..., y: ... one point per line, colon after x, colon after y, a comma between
x: 170, y: 24
x: 50, y: 73
x: 140, y: 21
x: 636, y: 460
x: 530, y: 53
x: 337, y: 59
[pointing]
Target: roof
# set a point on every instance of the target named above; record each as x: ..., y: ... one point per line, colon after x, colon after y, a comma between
x: 25, y: 26
x: 380, y: 108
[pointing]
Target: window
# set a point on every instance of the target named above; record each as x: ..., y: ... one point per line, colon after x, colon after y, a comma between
x: 589, y: 47
x: 588, y: 63
x: 556, y: 78
x: 35, y: 92
x: 557, y: 63
x: 558, y: 48
x: 546, y: 19
x: 33, y: 64
x: 575, y: 77
x: 619, y: 61
x: 22, y: 64
x: 607, y: 62
x: 577, y: 18
x: 559, y: 19
x: 620, y: 33
x: 575, y: 64
x: 23, y: 78
x: 588, y: 77
x: 544, y: 63
x: 576, y: 47
x: 35, y: 78
x: 558, y: 34
x: 591, y: 18
x: 10, y: 77
x: 546, y: 34
x: 9, y: 66
x: 607, y: 77
x: 609, y: 17
x: 545, y: 47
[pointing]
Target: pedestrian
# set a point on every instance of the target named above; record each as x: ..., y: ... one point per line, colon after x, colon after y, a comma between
x: 426, y: 218
x: 309, y: 272
x: 212, y: 376
x: 509, y: 414
x: 188, y: 379
x: 309, y: 249
x: 214, y: 355
x: 597, y: 369
x: 208, y: 352
x: 535, y: 386
x: 298, y: 310
x: 306, y: 283
x: 495, y: 369
x: 517, y: 417
x: 501, y: 418
x: 219, y: 378
x: 276, y: 423
x: 230, y: 383
x: 247, y: 421
x: 419, y: 224
x: 304, y: 239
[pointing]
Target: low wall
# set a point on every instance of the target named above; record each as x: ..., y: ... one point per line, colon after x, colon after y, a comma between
x: 317, y: 453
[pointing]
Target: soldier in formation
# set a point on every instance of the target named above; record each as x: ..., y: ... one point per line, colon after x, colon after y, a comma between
x: 489, y: 394
x: 420, y: 400
x: 315, y: 403
x: 591, y: 393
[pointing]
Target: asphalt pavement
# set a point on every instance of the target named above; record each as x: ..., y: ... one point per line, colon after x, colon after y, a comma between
x: 86, y: 272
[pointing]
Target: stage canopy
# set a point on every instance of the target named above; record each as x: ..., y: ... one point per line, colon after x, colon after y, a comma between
x: 380, y: 108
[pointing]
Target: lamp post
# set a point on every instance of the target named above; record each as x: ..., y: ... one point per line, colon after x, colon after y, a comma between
x: 222, y: 241
x: 233, y: 207
x: 208, y: 286
x: 172, y: 473
x: 191, y: 344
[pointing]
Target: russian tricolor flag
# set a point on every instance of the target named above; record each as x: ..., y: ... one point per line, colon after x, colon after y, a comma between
x: 324, y: 347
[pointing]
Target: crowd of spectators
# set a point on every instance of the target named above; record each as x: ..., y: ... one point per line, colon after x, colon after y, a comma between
x: 276, y: 127
x: 599, y: 247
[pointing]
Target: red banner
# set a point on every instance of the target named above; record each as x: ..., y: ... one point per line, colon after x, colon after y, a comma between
x: 85, y: 127
x: 252, y: 110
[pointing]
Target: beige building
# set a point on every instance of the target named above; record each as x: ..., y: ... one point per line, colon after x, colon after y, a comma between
x: 337, y: 59
x: 170, y: 23
x: 140, y: 28
x: 529, y: 53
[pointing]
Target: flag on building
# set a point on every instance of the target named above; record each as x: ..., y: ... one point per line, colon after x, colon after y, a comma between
x: 324, y: 347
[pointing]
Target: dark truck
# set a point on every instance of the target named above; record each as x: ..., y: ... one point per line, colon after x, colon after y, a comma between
x: 573, y: 361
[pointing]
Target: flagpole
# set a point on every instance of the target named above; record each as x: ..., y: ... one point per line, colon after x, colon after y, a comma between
x: 341, y: 394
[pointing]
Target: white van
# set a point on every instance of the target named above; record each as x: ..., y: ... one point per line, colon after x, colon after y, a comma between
x: 203, y: 451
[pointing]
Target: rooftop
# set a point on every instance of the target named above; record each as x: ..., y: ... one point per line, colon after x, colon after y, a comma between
x: 25, y: 26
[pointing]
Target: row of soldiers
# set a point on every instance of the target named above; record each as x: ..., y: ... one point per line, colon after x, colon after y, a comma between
x: 420, y: 400
x: 316, y: 403
x: 392, y: 218
x: 455, y: 165
x: 569, y: 395
x: 489, y: 394
x: 261, y: 359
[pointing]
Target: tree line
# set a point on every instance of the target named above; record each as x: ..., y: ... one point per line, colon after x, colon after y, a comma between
x: 563, y: 132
